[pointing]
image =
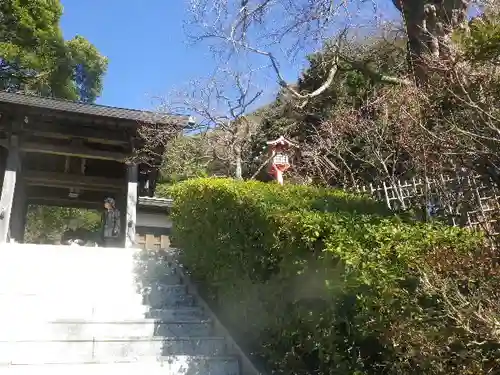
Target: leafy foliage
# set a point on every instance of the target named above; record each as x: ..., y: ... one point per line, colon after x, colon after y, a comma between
x: 326, y: 282
x: 46, y: 224
x: 482, y: 40
x: 35, y: 58
x: 185, y: 157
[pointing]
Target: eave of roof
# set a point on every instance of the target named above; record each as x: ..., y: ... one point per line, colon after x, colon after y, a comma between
x: 87, y: 109
x: 282, y: 141
x: 156, y: 202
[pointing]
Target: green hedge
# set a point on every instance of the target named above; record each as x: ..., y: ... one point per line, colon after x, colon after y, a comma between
x: 314, y: 281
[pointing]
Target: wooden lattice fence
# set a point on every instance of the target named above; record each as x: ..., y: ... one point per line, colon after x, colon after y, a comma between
x: 463, y: 201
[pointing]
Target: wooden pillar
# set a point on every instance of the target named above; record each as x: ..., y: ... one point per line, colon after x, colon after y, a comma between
x: 121, y: 203
x: 132, y: 193
x: 19, y: 211
x: 8, y: 188
x: 24, y: 220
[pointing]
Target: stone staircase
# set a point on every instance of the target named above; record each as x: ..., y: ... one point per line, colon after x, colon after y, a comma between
x: 77, y: 310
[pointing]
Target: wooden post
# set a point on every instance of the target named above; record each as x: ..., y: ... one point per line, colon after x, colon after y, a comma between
x: 24, y: 220
x: 279, y: 176
x: 19, y: 210
x: 132, y: 175
x: 8, y: 188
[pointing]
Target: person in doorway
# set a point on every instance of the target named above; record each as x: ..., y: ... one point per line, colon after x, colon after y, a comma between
x: 111, y: 224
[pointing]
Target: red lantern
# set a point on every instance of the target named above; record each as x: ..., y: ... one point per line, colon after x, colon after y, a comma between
x: 279, y: 153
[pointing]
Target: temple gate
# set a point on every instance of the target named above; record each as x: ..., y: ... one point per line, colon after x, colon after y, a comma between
x: 67, y: 154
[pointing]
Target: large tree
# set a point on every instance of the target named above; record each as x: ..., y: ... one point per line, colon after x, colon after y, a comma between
x: 276, y: 31
x: 35, y: 58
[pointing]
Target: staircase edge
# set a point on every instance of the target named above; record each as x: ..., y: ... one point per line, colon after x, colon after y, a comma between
x: 247, y: 366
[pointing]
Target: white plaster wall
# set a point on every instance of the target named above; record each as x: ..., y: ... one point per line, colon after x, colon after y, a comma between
x: 155, y: 220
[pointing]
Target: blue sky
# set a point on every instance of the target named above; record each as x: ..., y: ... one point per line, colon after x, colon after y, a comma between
x: 146, y: 46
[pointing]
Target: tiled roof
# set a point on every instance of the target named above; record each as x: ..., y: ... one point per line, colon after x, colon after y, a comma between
x: 86, y: 109
x: 156, y: 202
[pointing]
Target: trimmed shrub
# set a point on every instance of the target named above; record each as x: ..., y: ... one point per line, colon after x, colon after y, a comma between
x: 315, y: 281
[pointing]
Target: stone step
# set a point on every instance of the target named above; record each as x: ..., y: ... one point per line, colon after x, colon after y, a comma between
x: 89, y: 298
x: 51, y: 262
x: 29, y: 307
x: 153, y: 269
x: 18, y: 251
x: 107, y: 350
x: 166, y: 290
x: 169, y: 278
x: 168, y: 296
x: 159, y: 301
x: 170, y: 365
x: 87, y: 302
x: 53, y: 307
x: 183, y: 314
x: 75, y: 274
x: 43, y: 311
x: 54, y: 278
x: 90, y: 330
x: 66, y: 289
x: 66, y: 266
x: 100, y: 311
x: 59, y: 268
x: 72, y: 295
x: 60, y: 283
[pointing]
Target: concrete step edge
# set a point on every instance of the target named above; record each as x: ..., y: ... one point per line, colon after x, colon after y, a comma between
x: 128, y: 291
x: 145, y: 359
x: 183, y: 309
x: 147, y: 316
x: 114, y: 340
x: 117, y: 322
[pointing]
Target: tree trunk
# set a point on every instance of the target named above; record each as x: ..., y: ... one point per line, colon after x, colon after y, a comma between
x: 430, y: 25
x: 238, y: 173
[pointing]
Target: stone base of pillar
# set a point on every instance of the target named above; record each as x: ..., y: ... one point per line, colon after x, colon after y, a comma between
x: 132, y: 199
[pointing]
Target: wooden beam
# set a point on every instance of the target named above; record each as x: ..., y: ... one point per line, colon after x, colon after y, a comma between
x: 73, y: 181
x: 98, y: 135
x: 65, y: 202
x: 63, y: 192
x: 78, y: 151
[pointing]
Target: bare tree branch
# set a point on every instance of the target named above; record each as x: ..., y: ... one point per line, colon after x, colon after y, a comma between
x: 220, y: 105
x: 262, y: 27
